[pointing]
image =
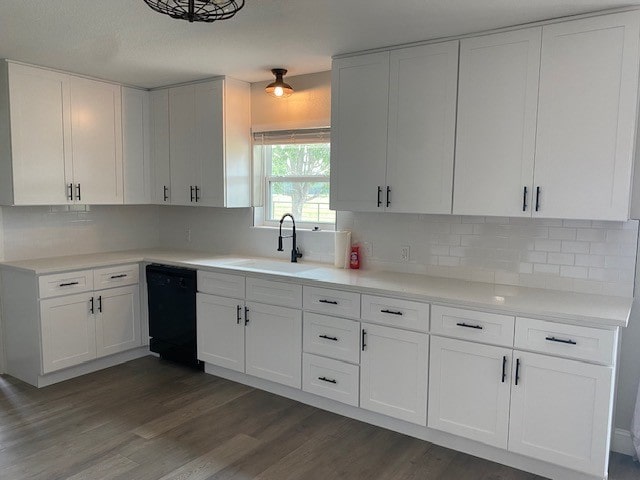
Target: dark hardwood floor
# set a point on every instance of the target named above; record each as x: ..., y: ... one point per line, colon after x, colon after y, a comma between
x: 149, y: 419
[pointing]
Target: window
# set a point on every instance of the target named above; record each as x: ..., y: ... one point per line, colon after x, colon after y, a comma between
x: 295, y: 179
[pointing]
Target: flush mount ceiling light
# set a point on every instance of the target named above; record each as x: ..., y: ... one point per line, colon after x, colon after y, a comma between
x: 197, y: 10
x: 279, y: 89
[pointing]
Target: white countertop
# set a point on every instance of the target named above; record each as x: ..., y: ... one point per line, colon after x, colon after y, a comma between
x: 579, y: 308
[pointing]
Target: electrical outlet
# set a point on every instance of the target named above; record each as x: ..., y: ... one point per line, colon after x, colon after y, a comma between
x: 405, y: 253
x: 367, y: 249
x: 187, y: 235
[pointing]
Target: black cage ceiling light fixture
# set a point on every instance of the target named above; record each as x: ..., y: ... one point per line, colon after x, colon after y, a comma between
x: 197, y: 10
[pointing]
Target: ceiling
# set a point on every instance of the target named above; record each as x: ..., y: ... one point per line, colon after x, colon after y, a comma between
x: 125, y: 41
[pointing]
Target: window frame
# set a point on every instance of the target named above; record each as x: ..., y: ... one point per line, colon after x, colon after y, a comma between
x: 268, y: 139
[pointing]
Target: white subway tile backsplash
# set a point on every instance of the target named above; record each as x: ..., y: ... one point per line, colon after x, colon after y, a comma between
x: 546, y: 269
x: 591, y: 235
x: 575, y: 247
x: 559, y: 233
x: 577, y: 223
x: 574, y: 272
x: 561, y: 258
x: 547, y: 245
x: 590, y: 260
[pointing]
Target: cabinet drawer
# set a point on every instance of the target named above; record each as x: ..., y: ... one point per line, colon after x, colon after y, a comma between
x: 583, y: 343
x: 333, y: 302
x: 221, y: 284
x: 396, y: 312
x: 332, y: 337
x: 274, y: 293
x: 65, y: 283
x: 330, y: 378
x: 116, y: 276
x: 472, y: 325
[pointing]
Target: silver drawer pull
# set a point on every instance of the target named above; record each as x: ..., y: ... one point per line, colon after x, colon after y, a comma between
x: 560, y: 340
x: 331, y: 302
x: 466, y: 325
x: 122, y: 275
x: 391, y: 312
x: 68, y: 284
x: 335, y: 339
x: 328, y: 380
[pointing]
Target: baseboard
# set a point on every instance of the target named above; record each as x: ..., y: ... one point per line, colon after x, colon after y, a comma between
x: 621, y: 442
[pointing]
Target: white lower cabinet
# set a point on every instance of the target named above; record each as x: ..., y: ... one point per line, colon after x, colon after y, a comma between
x: 117, y: 320
x: 220, y: 327
x: 561, y: 412
x: 249, y: 337
x: 393, y: 372
x: 82, y: 327
x: 273, y: 339
x: 469, y: 390
x: 330, y: 378
x: 68, y: 331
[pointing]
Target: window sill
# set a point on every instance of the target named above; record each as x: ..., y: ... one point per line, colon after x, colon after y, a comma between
x: 288, y: 227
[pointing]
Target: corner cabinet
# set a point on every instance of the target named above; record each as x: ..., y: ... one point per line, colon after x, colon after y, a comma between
x: 136, y: 146
x: 201, y: 144
x: 62, y: 138
x: 393, y: 130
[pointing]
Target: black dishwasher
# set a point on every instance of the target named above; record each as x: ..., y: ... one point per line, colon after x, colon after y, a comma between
x: 172, y: 313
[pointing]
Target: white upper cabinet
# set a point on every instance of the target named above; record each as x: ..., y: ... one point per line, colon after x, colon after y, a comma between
x: 393, y: 130
x: 62, y: 138
x: 36, y: 158
x: 587, y: 117
x: 422, y: 125
x: 160, y: 151
x: 497, y: 105
x: 182, y: 144
x: 209, y: 144
x: 96, y: 126
x: 136, y: 146
x: 359, y: 110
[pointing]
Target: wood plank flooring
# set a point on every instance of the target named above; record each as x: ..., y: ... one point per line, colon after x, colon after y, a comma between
x: 149, y: 419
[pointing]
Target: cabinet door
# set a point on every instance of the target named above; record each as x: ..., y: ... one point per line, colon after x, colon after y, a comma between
x: 182, y: 144
x: 359, y: 110
x: 587, y: 117
x: 160, y: 147
x: 561, y: 412
x: 136, y: 146
x: 68, y: 331
x: 209, y: 145
x: 40, y: 130
x: 117, y: 319
x: 422, y: 124
x: 220, y: 327
x: 96, y: 123
x: 273, y: 338
x: 393, y: 373
x: 497, y: 108
x: 469, y: 390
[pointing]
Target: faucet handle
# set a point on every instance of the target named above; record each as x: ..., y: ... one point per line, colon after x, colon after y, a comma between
x: 298, y: 253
